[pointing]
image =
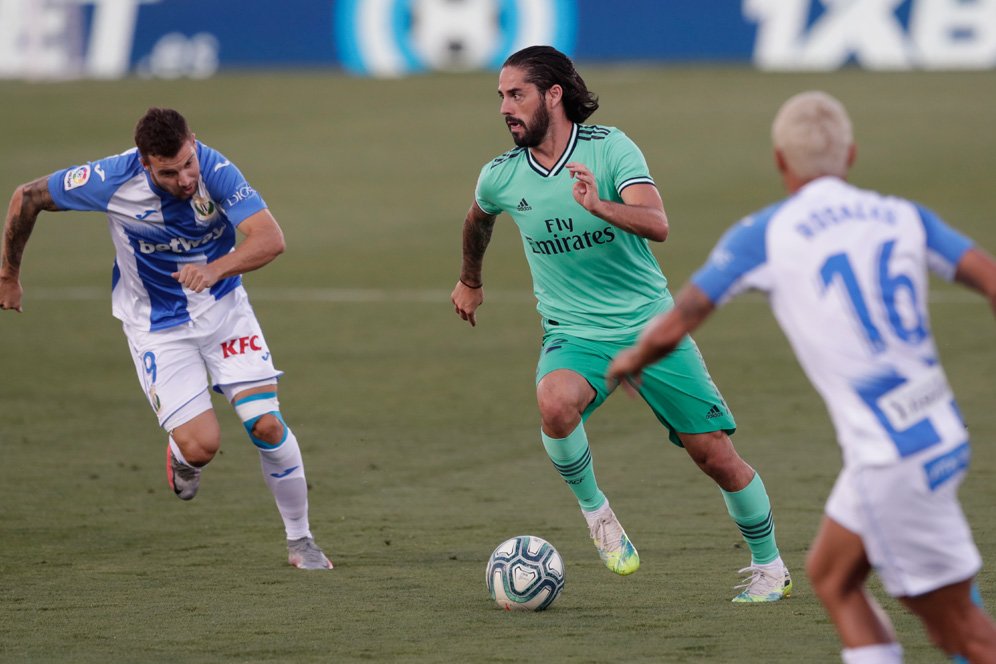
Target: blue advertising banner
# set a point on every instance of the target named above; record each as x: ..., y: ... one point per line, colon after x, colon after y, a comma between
x: 171, y: 38
x: 649, y: 30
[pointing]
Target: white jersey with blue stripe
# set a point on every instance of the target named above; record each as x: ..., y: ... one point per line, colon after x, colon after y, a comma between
x: 846, y: 274
x: 155, y: 233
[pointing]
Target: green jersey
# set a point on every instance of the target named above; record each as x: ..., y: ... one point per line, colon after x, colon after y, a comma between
x: 590, y: 278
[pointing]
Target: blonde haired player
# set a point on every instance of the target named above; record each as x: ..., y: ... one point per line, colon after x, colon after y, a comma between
x: 845, y: 271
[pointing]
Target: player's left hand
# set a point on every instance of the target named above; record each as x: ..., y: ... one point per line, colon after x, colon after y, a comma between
x: 626, y: 370
x: 585, y: 188
x: 197, y: 276
x: 10, y: 294
x: 466, y: 300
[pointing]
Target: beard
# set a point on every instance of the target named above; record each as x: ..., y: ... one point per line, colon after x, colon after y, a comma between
x: 534, y: 133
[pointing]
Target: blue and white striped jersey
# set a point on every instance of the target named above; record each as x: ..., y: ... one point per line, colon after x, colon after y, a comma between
x: 154, y: 233
x: 846, y: 274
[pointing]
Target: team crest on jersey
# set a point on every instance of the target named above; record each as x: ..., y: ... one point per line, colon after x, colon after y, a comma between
x: 154, y: 399
x: 76, y: 177
x: 205, y: 210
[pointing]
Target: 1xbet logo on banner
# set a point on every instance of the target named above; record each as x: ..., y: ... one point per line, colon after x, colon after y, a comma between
x: 877, y: 34
x: 240, y: 345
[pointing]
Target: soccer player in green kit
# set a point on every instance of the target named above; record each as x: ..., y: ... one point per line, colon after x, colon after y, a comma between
x: 586, y: 206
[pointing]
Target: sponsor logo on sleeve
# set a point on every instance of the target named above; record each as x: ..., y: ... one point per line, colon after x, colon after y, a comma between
x: 76, y: 177
x: 242, y: 193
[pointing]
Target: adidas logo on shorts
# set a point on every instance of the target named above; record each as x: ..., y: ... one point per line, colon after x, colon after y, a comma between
x: 714, y: 412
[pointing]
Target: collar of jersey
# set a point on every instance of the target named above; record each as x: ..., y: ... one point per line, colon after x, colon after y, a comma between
x: 564, y: 158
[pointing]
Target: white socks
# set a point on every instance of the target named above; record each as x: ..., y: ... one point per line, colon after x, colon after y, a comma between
x: 880, y: 653
x: 283, y: 470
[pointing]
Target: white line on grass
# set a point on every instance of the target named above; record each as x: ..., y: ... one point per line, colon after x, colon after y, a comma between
x: 381, y: 295
x: 331, y: 295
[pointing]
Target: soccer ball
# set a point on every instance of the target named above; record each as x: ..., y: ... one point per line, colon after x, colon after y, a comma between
x: 525, y: 573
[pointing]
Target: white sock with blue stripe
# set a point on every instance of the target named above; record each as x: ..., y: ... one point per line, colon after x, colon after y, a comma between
x: 283, y: 467
x: 283, y: 470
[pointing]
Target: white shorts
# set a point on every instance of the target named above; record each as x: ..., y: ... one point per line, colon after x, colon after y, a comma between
x: 909, y: 520
x: 173, y: 365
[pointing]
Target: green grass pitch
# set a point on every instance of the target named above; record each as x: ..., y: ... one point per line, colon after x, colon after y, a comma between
x: 420, y: 434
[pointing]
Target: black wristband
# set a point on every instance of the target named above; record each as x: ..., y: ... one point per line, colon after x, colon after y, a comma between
x: 469, y: 286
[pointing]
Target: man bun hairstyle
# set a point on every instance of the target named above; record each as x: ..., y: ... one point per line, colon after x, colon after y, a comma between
x: 545, y: 67
x: 161, y: 132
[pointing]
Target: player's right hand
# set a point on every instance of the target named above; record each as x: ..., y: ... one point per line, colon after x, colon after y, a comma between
x: 466, y: 300
x: 10, y: 295
x: 626, y: 370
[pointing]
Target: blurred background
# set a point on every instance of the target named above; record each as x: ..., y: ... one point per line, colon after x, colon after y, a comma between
x: 364, y: 124
x: 58, y: 39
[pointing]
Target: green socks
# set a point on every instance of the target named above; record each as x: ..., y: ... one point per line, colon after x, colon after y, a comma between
x: 751, y: 510
x: 572, y: 459
x: 749, y: 507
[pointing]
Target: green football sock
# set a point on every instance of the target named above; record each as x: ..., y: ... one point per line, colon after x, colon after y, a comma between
x: 572, y: 459
x: 751, y: 511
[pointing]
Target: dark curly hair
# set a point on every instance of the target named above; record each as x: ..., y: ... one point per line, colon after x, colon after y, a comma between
x: 161, y: 132
x: 545, y: 67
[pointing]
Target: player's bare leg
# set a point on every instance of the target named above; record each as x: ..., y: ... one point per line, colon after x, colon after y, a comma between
x: 714, y: 454
x: 199, y: 439
x: 768, y: 578
x: 283, y: 470
x: 562, y: 396
x: 838, y: 568
x: 191, y: 446
x: 955, y: 623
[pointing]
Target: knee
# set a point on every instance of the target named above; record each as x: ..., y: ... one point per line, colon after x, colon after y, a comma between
x: 714, y: 454
x: 269, y: 428
x: 260, y: 415
x: 562, y: 397
x: 199, y: 448
x: 819, y: 580
x: 829, y: 585
x: 559, y: 417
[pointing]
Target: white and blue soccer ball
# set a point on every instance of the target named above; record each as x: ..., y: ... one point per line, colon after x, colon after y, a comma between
x: 525, y: 573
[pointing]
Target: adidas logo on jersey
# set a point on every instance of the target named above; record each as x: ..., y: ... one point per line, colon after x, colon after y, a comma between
x: 714, y: 412
x: 523, y: 206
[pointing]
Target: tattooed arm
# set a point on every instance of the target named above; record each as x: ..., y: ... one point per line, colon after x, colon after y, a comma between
x: 661, y: 336
x: 25, y: 205
x: 468, y: 294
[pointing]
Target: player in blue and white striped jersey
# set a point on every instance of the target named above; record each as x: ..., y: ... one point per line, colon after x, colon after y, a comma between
x: 845, y: 271
x: 173, y: 207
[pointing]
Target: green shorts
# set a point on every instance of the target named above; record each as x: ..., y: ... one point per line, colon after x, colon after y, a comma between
x: 678, y: 389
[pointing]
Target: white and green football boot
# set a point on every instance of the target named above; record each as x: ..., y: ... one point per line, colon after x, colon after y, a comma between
x: 767, y: 583
x: 614, y: 547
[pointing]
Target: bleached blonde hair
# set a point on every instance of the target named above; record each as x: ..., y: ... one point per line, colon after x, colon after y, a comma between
x: 813, y: 132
